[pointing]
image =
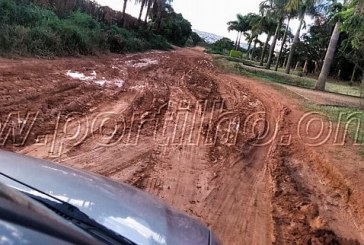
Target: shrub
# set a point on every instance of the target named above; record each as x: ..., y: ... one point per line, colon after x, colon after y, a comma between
x: 235, y: 54
x: 26, y: 29
x: 222, y: 46
x: 116, y: 43
x: 42, y: 41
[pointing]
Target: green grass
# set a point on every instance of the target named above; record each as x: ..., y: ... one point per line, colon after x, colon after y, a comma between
x: 344, y: 89
x: 252, y: 69
x: 232, y: 66
x: 350, y: 118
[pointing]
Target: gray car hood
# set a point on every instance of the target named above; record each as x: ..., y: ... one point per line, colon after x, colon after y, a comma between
x: 126, y: 210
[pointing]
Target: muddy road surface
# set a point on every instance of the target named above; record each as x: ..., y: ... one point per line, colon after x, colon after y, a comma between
x: 231, y: 151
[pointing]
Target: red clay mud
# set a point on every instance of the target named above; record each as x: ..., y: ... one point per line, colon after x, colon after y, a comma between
x: 223, y: 148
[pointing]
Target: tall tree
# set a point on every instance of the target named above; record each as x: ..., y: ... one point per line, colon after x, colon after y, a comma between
x: 124, y: 12
x: 320, y: 85
x: 241, y: 25
x: 266, y: 25
x: 256, y: 40
x: 283, y: 43
x: 264, y: 51
x: 321, y: 82
x: 302, y: 7
x: 277, y: 8
x: 142, y: 5
x: 253, y: 25
x: 149, y: 6
x: 273, y: 46
x: 159, y: 9
x: 233, y: 26
x: 249, y: 38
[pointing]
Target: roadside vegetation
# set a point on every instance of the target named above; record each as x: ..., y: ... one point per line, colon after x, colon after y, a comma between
x: 249, y: 68
x: 349, y: 118
x: 34, y: 27
x: 329, y: 56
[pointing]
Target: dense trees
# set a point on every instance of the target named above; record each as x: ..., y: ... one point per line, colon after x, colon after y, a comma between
x: 72, y: 27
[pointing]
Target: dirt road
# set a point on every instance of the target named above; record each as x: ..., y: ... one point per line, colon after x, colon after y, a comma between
x: 324, y: 98
x: 230, y: 151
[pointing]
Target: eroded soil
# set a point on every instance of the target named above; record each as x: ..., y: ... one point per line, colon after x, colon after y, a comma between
x: 233, y: 152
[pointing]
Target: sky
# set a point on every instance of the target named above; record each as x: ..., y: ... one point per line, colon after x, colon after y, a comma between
x: 205, y: 15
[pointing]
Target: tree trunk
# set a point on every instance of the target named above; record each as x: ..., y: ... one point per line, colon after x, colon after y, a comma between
x: 297, y: 65
x: 285, y: 61
x: 273, y: 46
x: 283, y: 42
x: 239, y: 41
x: 321, y: 82
x: 124, y: 11
x: 353, y: 75
x: 141, y: 11
x: 148, y: 11
x: 248, y: 51
x: 294, y: 45
x: 236, y: 41
x: 254, y: 47
x: 264, y: 49
x: 305, y: 67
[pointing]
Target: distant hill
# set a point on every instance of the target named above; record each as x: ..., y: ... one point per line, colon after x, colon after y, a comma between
x: 208, y: 37
x: 211, y: 38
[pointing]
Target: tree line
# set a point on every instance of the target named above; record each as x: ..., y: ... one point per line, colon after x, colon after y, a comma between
x: 334, y: 43
x: 72, y: 27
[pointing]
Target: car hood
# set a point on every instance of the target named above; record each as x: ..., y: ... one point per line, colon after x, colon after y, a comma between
x: 126, y: 210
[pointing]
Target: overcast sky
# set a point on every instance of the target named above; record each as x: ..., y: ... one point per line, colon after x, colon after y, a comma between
x: 205, y: 15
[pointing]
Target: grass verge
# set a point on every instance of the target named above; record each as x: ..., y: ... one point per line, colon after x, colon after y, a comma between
x: 350, y: 119
x: 250, y: 68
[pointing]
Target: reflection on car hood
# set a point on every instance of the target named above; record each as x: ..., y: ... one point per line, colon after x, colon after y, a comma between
x: 126, y: 210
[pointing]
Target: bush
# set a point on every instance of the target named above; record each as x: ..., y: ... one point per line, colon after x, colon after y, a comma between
x: 214, y: 51
x: 42, y: 41
x: 26, y: 29
x: 236, y: 54
x: 222, y: 46
x: 121, y: 40
x: 176, y: 29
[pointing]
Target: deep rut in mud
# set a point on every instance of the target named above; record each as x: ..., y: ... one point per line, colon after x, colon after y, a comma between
x: 220, y: 147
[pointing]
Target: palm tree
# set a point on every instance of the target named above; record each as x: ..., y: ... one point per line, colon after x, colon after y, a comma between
x: 321, y: 82
x: 256, y: 40
x: 277, y: 8
x: 160, y: 8
x: 302, y: 7
x: 273, y: 46
x: 124, y: 11
x: 252, y: 24
x: 283, y: 43
x: 249, y: 37
x: 150, y: 2
x: 233, y: 26
x: 240, y: 25
x: 143, y: 3
x: 268, y: 26
x: 320, y: 85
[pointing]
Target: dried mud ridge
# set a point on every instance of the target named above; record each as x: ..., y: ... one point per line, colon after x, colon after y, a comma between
x: 223, y: 148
